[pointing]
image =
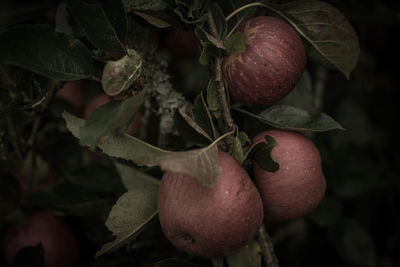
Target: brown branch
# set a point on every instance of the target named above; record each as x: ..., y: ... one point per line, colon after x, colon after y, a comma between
x: 267, y: 248
x: 219, y: 79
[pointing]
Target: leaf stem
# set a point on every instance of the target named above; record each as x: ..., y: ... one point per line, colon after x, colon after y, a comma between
x: 267, y: 248
x: 219, y: 79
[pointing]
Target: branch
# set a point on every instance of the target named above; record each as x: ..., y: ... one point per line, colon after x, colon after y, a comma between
x: 219, y: 79
x: 267, y: 248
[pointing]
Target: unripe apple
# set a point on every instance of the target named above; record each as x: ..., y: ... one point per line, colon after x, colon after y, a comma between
x: 299, y: 184
x: 269, y: 67
x: 72, y: 92
x: 210, y: 222
x: 60, y: 244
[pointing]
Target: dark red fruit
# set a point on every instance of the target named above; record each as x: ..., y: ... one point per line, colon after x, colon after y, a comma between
x: 299, y: 184
x: 269, y: 67
x: 210, y: 222
x: 60, y: 244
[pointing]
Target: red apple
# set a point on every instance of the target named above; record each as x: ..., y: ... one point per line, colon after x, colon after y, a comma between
x: 270, y: 66
x: 72, y: 92
x: 299, y: 184
x: 210, y: 222
x: 60, y: 244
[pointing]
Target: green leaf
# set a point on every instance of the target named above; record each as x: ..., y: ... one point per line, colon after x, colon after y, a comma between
x: 189, y: 129
x: 235, y: 44
x: 213, y: 99
x: 203, y: 117
x: 67, y: 198
x: 219, y: 20
x: 103, y: 121
x: 201, y: 164
x: 41, y: 50
x: 153, y: 19
x: 134, y: 179
x: 104, y: 22
x: 129, y: 215
x: 353, y: 243
x: 119, y: 75
x: 292, y: 118
x: 175, y: 263
x: 238, y: 153
x: 260, y: 153
x: 154, y: 5
x: 331, y: 38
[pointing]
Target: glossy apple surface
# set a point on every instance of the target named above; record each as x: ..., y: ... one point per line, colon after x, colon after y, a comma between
x: 210, y: 222
x: 270, y: 66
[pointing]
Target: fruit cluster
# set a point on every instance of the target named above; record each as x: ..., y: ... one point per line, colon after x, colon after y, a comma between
x: 212, y: 222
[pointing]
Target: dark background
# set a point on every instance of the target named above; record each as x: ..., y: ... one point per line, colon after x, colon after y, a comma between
x: 358, y: 223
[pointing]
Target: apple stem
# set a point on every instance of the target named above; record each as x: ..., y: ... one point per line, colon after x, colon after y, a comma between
x: 219, y: 79
x: 267, y: 248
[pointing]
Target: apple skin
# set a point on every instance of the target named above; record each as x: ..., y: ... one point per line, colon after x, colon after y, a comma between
x: 60, y: 244
x: 210, y: 222
x: 298, y: 186
x: 72, y: 92
x: 270, y: 66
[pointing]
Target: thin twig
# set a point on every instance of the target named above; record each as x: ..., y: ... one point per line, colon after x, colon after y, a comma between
x: 267, y: 248
x: 219, y: 79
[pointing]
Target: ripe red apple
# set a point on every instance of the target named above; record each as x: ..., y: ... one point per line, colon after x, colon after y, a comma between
x: 210, y: 222
x: 60, y: 244
x: 270, y: 66
x: 299, y: 184
x: 72, y: 92
x: 180, y: 43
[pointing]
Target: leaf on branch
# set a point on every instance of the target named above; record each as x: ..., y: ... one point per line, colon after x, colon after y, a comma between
x: 333, y: 41
x: 129, y: 216
x: 154, y: 5
x: 155, y: 21
x: 242, y: 257
x: 104, y: 22
x: 240, y: 141
x: 104, y: 121
x: 201, y: 164
x: 133, y: 178
x: 203, y: 117
x: 235, y: 44
x: 213, y: 99
x: 219, y: 20
x: 189, y: 129
x: 40, y: 49
x: 119, y: 75
x: 260, y: 153
x: 293, y: 118
x: 175, y: 263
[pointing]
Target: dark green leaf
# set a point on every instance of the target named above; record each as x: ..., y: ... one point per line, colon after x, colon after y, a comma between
x: 260, y: 153
x: 152, y: 18
x: 219, y: 20
x: 331, y: 38
x: 213, y: 99
x: 155, y: 5
x: 119, y: 75
x: 67, y: 198
x: 203, y: 117
x: 32, y: 256
x: 353, y: 243
x: 218, y: 262
x: 134, y: 179
x: 175, y: 263
x: 189, y: 129
x: 129, y: 216
x: 104, y: 22
x: 235, y: 44
x: 105, y: 120
x: 238, y: 150
x: 292, y: 118
x: 40, y: 49
x: 64, y: 22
